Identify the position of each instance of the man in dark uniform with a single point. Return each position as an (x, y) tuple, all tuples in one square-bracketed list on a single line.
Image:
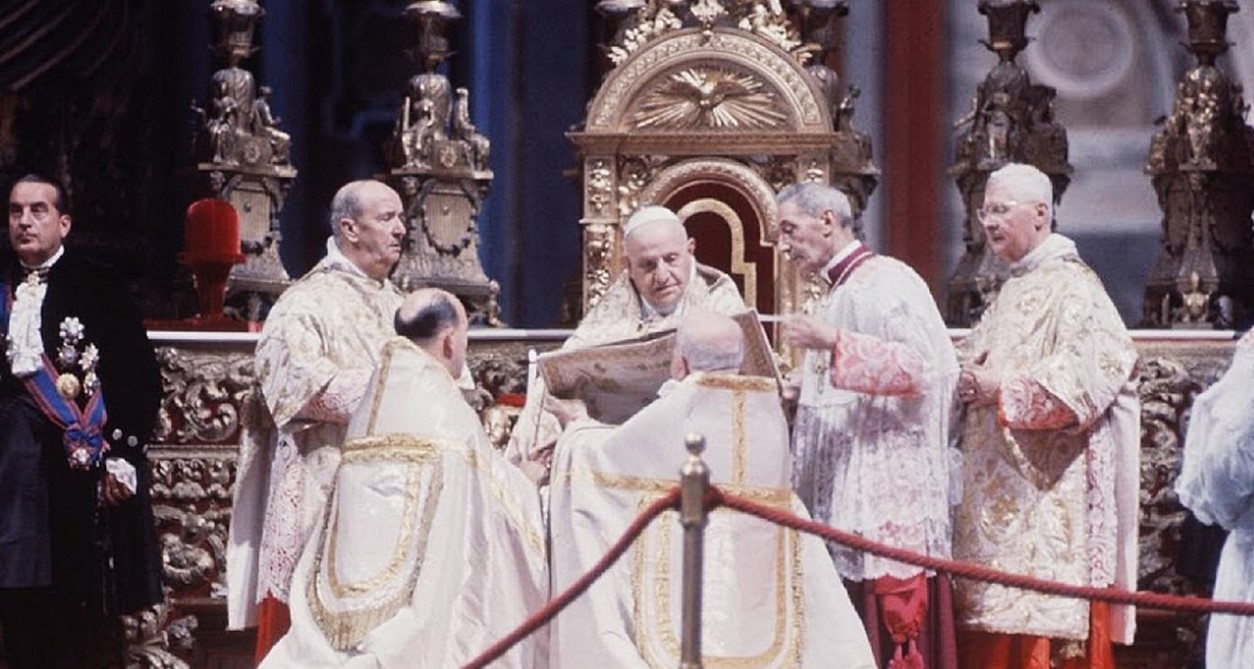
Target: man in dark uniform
[(79, 391)]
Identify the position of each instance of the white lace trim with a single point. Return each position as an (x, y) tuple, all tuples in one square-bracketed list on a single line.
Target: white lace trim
[(26, 347)]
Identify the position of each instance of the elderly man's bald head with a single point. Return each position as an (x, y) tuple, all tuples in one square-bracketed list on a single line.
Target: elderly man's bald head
[(368, 222), (707, 341), (436, 321)]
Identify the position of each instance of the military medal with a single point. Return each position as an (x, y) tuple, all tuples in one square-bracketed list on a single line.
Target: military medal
[(68, 386)]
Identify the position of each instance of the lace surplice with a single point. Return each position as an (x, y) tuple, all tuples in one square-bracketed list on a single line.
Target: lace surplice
[(870, 444)]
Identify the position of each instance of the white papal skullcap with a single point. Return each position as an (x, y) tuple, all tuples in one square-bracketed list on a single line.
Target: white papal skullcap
[(650, 214)]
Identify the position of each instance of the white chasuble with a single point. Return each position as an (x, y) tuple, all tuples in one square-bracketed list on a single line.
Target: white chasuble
[(1051, 471), (771, 596), (871, 450), (1217, 483), (621, 315), (431, 547), (332, 321)]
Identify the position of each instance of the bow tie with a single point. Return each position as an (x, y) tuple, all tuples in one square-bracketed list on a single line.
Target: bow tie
[(40, 273)]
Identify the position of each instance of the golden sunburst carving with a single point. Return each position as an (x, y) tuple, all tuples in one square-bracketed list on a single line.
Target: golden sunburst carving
[(709, 97)]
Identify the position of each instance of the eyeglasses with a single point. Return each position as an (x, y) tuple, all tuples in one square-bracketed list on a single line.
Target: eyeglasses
[(995, 209)]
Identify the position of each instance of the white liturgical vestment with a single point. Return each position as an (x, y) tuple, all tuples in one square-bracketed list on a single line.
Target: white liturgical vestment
[(772, 598), (331, 323), (1217, 483), (1051, 472), (622, 314), (871, 441), (431, 547)]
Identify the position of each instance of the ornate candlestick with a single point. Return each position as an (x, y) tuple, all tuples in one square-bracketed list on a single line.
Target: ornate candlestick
[(439, 165), (243, 156), (1011, 120), (1202, 162)]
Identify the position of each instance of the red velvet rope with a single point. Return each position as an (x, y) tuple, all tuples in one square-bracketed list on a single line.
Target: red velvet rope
[(716, 497), (541, 617), (1151, 600)]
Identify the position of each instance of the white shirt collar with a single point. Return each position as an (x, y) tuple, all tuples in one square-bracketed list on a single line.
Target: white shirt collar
[(337, 258), (50, 261)]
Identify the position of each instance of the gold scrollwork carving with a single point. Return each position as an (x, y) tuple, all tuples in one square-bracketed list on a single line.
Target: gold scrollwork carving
[(727, 171), (598, 261), (600, 184), (191, 496), (634, 174), (204, 394), (778, 171)]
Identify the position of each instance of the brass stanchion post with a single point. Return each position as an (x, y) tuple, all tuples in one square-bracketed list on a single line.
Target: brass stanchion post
[(692, 516)]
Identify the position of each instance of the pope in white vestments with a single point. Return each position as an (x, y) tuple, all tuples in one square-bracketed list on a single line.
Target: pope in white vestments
[(316, 352), (771, 595), (1217, 483), (431, 547), (661, 283)]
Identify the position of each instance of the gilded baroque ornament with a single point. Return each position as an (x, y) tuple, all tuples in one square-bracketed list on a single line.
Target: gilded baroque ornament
[(639, 22), (634, 174), (600, 185), (203, 393), (714, 169), (707, 12), (703, 97), (787, 79), (599, 246), (642, 21), (768, 20)]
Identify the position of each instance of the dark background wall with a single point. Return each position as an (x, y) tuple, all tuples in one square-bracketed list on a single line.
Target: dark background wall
[(98, 93)]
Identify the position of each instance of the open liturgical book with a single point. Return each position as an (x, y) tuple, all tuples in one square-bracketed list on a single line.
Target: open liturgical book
[(616, 380)]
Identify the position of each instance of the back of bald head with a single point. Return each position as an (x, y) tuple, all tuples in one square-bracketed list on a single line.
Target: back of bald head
[(426, 313), (710, 342)]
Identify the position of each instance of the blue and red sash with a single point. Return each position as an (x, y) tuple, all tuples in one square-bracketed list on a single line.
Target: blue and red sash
[(83, 428), (83, 438)]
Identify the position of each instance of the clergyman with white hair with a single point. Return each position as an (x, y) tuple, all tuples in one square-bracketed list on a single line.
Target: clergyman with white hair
[(662, 281), (1051, 441)]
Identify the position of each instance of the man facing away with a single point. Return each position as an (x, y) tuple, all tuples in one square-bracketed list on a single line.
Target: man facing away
[(771, 596), (431, 547), (317, 349), (1216, 483), (1050, 442), (871, 440), (79, 392), (662, 281)]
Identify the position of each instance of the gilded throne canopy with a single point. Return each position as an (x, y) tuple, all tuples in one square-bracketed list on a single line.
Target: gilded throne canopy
[(710, 110)]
